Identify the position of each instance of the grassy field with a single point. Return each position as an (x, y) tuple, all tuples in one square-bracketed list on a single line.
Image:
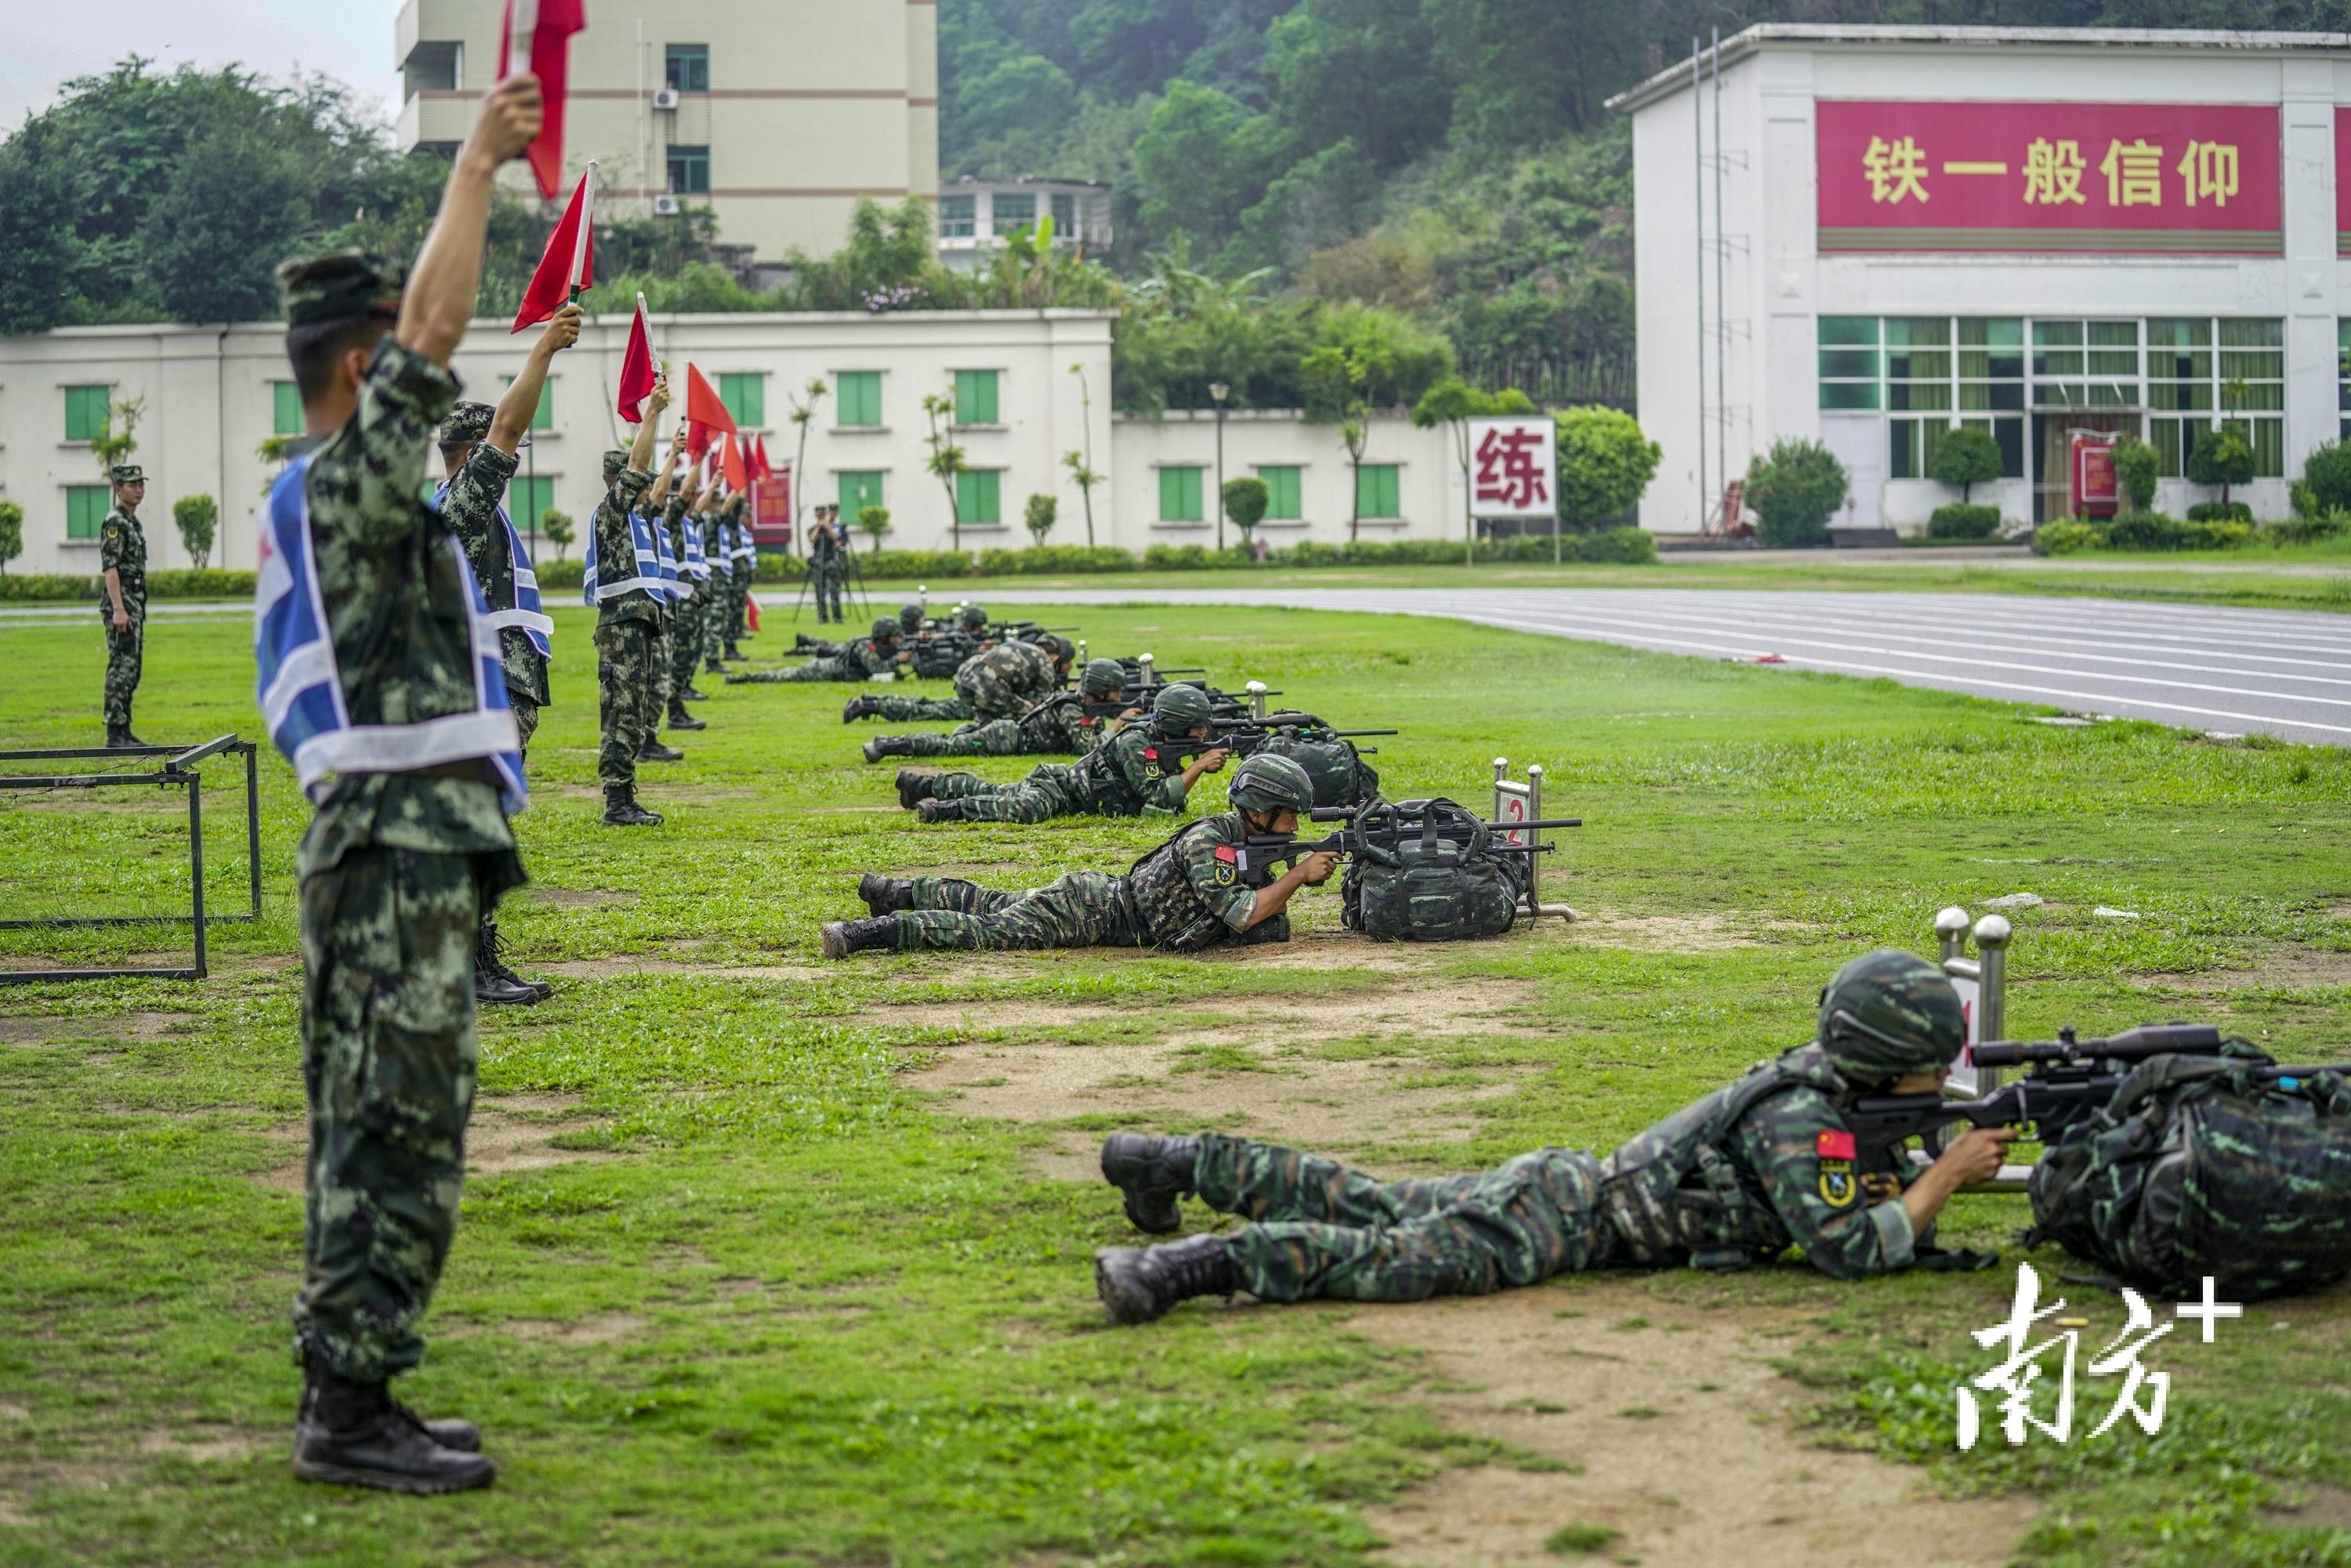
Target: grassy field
[(769, 1261)]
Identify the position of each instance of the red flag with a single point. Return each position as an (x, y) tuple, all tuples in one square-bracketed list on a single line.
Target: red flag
[(754, 458), (569, 265), (549, 24), (750, 611), (637, 369), (703, 403), (699, 439), (736, 466)]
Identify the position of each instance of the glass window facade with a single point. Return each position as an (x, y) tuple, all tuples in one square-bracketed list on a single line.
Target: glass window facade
[(689, 170), (2207, 372), (687, 67), (1014, 210), (957, 216)]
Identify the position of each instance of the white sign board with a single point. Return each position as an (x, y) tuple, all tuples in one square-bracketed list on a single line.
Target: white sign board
[(1510, 806), (1963, 1070), (1514, 467)]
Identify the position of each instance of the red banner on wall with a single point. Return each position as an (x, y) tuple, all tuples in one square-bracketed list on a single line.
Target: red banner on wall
[(2096, 493), (2089, 178)]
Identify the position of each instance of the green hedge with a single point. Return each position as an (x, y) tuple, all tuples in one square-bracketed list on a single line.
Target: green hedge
[(2154, 531), (1960, 521), (22, 588)]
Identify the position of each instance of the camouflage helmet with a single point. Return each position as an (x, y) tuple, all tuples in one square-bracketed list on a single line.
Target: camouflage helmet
[(1887, 1013), (972, 616), (1269, 783), (1103, 677), (1178, 711), (1060, 649), (910, 617), (885, 628)]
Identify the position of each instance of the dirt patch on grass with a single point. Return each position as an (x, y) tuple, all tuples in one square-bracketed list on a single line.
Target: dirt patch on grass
[(580, 897), (507, 1132), (637, 964), (1674, 932), (43, 1028), (604, 1328), (2278, 969), (1449, 1008), (2321, 1507), (216, 1445), (1676, 1436)]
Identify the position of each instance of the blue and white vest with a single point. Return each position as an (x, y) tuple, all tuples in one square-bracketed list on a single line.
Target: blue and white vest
[(526, 615), (744, 550), (594, 589), (666, 560), (695, 565), (300, 686)]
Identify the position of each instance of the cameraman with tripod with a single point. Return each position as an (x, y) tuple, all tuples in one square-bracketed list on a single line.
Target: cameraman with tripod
[(827, 562)]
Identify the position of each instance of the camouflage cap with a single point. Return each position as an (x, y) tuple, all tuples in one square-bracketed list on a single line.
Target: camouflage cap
[(614, 461), (127, 473), (1103, 677), (972, 616), (1267, 782), (910, 616), (1179, 710), (339, 286), (1060, 648), (467, 424), (885, 630), (1887, 1013)]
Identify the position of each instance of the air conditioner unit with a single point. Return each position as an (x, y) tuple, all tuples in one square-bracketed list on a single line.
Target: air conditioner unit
[(665, 97), (665, 207)]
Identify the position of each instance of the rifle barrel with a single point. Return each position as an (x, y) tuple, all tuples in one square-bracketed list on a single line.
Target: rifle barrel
[(2131, 1045)]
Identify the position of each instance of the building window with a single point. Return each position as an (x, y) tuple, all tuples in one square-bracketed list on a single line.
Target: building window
[(2204, 374), (957, 216), (86, 508), (285, 409), (1933, 373), (434, 66), (859, 395), (2085, 364), (527, 497), (856, 492), (1014, 210), (1179, 495), (979, 495), (543, 416), (687, 66), (975, 397), (689, 170), (1283, 502), (745, 397), (86, 411), (1377, 490), (1848, 363), (1065, 216)]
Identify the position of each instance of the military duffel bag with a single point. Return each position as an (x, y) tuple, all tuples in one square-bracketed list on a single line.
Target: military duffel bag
[(2206, 1166), (1409, 883), (1341, 776)]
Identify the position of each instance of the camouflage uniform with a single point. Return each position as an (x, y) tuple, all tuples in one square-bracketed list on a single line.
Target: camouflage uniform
[(1058, 726), (123, 547), (738, 598), (1001, 683), (626, 630), (857, 661), (690, 629), (1122, 778), (716, 614), (394, 873), (1189, 893), (826, 571), (1781, 1175), (471, 510)]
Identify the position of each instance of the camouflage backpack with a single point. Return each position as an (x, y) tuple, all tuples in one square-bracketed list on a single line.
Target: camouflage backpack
[(1341, 776), (1405, 882), (2201, 1166)]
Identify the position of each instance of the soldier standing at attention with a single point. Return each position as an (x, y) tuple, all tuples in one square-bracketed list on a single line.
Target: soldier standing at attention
[(746, 567), (826, 569), (684, 512), (373, 685), (122, 557), (628, 621), (477, 453)]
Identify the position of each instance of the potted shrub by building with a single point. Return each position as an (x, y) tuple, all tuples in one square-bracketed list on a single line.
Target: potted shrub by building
[(1795, 488), (1963, 459)]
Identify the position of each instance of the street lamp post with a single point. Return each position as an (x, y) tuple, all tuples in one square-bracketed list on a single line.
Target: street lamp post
[(1217, 392)]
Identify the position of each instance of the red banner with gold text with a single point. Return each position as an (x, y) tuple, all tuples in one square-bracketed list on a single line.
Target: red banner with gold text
[(2064, 178)]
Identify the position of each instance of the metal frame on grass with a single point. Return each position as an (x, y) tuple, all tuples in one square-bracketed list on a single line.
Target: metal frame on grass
[(178, 771)]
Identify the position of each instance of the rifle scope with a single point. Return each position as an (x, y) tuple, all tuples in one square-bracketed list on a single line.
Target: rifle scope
[(2131, 1045)]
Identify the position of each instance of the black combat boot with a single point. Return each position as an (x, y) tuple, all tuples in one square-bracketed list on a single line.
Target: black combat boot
[(843, 937), (885, 894), (882, 746), (448, 1430), (621, 811), (1153, 1174), (856, 708), (491, 987), (694, 697), (654, 751), (731, 652), (713, 667), (914, 787), (505, 971), (1139, 1284), (942, 812), (356, 1434), (681, 719)]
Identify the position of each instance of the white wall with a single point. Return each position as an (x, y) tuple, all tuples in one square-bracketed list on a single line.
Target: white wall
[(1428, 486)]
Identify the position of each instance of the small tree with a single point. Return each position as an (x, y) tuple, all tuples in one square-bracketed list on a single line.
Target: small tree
[(1796, 487), (947, 462), (1041, 513), (1606, 464), (1080, 463), (2223, 458), (802, 415), (2326, 478), (2135, 466), (1246, 500), (118, 438), (554, 526), (12, 534), (1965, 458), (1454, 402), (1334, 378), (873, 522), (198, 519)]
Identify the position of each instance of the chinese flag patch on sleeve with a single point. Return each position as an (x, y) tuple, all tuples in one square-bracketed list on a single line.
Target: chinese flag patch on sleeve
[(1225, 852), (1151, 754), (1834, 1145)]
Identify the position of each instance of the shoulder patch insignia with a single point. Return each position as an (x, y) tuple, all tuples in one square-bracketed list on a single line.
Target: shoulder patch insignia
[(1835, 1144), (1227, 853), (1151, 754)]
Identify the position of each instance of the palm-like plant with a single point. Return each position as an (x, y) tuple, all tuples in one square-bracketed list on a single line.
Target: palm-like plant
[(804, 415), (947, 462)]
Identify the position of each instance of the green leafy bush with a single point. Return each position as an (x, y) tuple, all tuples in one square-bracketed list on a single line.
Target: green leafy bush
[(2136, 470), (1963, 459), (1960, 521), (12, 533), (2065, 536), (198, 519), (45, 586), (2221, 457), (1042, 559), (1605, 464), (2221, 512), (2138, 530), (2307, 528), (2326, 480), (1796, 488), (1179, 557)]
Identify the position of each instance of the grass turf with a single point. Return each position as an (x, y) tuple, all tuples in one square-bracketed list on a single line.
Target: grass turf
[(790, 1307)]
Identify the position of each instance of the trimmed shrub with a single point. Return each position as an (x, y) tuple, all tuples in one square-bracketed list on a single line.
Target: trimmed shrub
[(1619, 547), (1040, 559), (2223, 458), (1960, 521), (1796, 488), (2327, 477), (21, 588), (12, 533), (1963, 459), (1179, 557), (558, 573), (2065, 537), (2138, 530), (198, 519), (2135, 466), (917, 563), (2221, 512)]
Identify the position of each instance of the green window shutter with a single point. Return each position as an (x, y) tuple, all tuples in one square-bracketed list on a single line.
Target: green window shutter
[(86, 508), (1377, 493), (285, 409), (745, 397), (979, 495), (858, 491), (528, 499), (975, 397), (1283, 502), (543, 416), (860, 397), (86, 411), (1179, 495)]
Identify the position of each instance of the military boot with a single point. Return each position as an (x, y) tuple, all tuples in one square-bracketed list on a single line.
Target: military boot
[(356, 1434), (654, 751), (681, 719), (856, 708), (491, 987), (731, 652), (843, 937), (713, 667), (885, 894), (505, 971), (1154, 1175), (694, 696), (621, 811), (914, 787), (882, 746), (942, 812), (448, 1430), (1139, 1284)]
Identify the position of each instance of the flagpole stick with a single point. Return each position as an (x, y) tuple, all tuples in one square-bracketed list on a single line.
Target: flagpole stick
[(580, 241)]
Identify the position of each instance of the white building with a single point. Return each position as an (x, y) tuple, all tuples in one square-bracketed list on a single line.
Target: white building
[(975, 214), (2034, 232), (1029, 386)]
